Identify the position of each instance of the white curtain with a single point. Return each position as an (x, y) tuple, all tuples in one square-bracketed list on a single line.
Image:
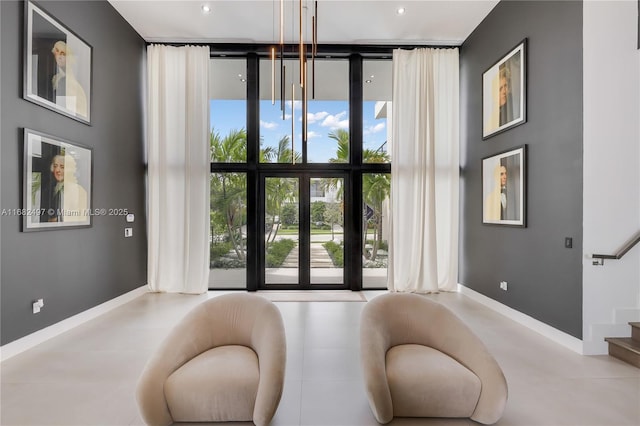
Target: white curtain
[(423, 249), (178, 171)]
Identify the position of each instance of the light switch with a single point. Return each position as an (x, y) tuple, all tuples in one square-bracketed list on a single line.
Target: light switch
[(128, 232)]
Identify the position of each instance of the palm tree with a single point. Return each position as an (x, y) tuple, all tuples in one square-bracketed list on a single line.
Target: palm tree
[(375, 187), (230, 149), (228, 190), (279, 191), (228, 194), (342, 137), (333, 215), (281, 154), (371, 156)]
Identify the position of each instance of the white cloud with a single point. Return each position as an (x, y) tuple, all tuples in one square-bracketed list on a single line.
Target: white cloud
[(268, 124), (311, 135), (287, 116), (374, 129), (313, 117), (336, 121), (297, 104)]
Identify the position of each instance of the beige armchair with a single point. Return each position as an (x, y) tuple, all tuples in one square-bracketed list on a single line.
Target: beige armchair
[(225, 361), (420, 360)]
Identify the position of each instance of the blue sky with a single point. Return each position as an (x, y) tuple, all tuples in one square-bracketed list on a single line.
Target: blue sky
[(323, 118)]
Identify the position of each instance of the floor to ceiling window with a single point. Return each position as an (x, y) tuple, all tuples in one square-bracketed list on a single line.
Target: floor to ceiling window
[(293, 213), (228, 192), (376, 187)]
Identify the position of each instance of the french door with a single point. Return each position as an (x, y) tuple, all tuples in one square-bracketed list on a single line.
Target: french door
[(303, 232)]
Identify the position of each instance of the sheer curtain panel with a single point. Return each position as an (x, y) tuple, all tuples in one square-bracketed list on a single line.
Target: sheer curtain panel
[(178, 168), (423, 247)]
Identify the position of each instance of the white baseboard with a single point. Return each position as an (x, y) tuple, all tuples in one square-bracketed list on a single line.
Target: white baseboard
[(17, 346), (14, 348), (547, 331)]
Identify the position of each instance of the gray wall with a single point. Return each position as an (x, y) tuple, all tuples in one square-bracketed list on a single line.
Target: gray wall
[(544, 278), (75, 269)]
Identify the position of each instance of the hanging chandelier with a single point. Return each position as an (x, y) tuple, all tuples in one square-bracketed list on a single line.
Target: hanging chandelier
[(302, 58)]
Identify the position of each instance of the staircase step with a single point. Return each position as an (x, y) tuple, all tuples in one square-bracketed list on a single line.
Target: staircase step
[(625, 348), (635, 331)]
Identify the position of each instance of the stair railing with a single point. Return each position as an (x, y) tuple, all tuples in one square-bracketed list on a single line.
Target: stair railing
[(599, 258)]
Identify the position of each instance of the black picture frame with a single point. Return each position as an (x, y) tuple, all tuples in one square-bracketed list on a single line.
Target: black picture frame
[(504, 188), (504, 92), (57, 183), (57, 71)]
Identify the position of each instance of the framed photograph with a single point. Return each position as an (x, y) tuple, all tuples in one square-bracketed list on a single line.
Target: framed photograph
[(57, 183), (504, 92), (504, 188), (57, 66)]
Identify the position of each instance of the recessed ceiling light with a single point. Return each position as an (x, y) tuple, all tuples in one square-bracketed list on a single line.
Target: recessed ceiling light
[(206, 8), (242, 80), (367, 81), (371, 76), (401, 10)]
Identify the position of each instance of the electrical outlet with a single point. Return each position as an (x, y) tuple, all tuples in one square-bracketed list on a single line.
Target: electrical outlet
[(568, 242), (128, 232), (503, 285), (37, 305)]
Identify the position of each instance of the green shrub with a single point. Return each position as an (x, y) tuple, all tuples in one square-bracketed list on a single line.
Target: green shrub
[(335, 253), (220, 249), (289, 214), (278, 252), (384, 245), (317, 211)]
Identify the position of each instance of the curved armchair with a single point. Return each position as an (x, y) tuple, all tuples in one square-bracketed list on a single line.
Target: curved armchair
[(420, 360), (224, 361)]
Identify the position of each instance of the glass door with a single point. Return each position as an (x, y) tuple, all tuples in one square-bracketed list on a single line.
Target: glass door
[(326, 230), (303, 222), (281, 250)]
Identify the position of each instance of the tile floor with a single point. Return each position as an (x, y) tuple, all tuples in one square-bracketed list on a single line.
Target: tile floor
[(87, 376)]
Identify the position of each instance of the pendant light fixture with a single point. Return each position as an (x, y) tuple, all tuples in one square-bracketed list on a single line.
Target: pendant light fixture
[(302, 58)]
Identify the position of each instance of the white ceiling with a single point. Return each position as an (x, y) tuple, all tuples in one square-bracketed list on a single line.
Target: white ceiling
[(340, 22)]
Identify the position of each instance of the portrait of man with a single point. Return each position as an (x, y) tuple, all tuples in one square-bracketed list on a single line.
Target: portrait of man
[(68, 92), (505, 104), (503, 188), (57, 182), (43, 63), (503, 93), (65, 200), (58, 66)]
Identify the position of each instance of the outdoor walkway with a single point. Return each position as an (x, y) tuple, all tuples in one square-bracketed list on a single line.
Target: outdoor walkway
[(319, 257)]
